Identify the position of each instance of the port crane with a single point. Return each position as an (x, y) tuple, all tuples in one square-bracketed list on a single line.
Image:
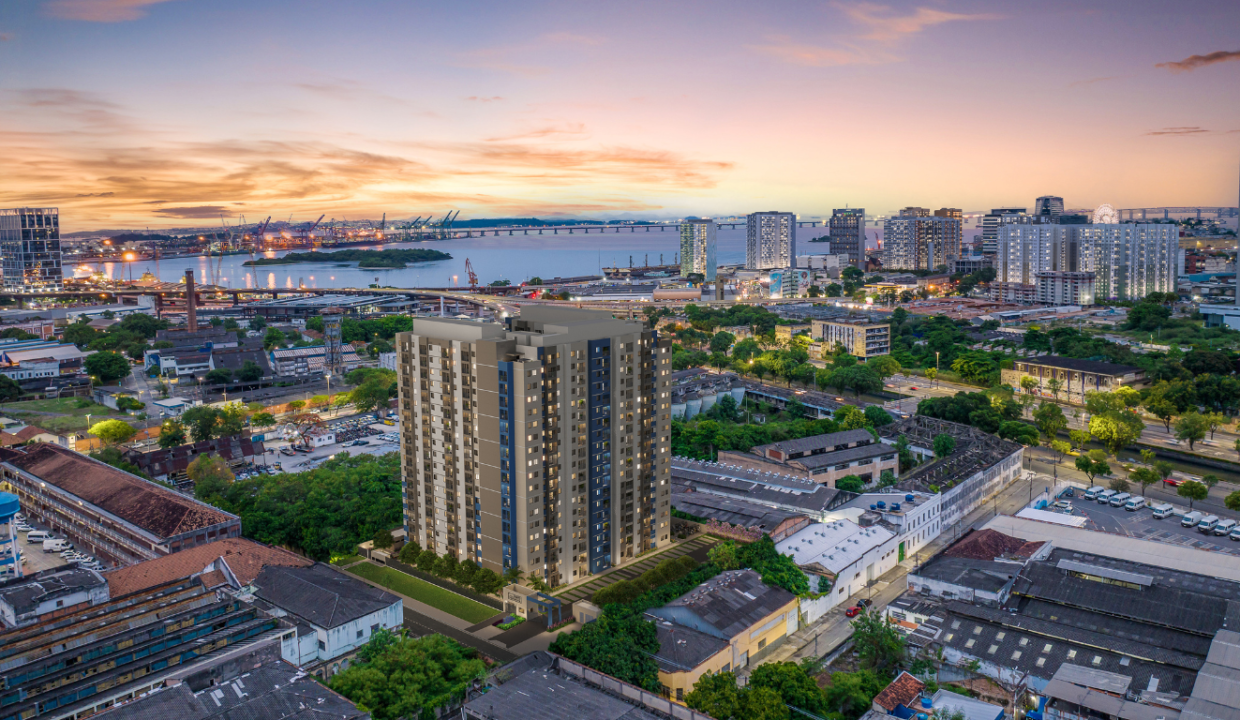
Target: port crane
[(473, 276)]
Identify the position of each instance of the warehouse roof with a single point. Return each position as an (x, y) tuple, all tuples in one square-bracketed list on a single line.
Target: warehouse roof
[(245, 558), (153, 508), (991, 544), (541, 693), (817, 443), (320, 595), (731, 602), (833, 546), (683, 648), (1090, 366)]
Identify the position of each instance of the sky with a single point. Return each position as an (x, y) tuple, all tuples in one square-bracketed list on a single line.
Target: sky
[(163, 113)]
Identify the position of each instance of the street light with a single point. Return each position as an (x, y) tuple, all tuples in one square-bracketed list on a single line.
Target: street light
[(936, 368), (328, 375)]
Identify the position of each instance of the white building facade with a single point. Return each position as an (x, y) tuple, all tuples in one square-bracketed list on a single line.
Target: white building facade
[(770, 240), (697, 248)]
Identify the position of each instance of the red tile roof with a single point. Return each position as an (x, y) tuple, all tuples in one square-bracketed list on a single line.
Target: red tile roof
[(152, 507), (902, 691), (245, 558), (990, 544)]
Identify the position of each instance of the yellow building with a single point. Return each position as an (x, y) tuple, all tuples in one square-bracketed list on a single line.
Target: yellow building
[(785, 332), (861, 337), (720, 626)]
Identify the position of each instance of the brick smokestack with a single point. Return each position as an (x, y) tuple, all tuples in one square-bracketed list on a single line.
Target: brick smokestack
[(191, 301)]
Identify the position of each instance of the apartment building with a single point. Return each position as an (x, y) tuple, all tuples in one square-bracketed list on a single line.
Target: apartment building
[(770, 240), (30, 250), (918, 241), (697, 248), (1128, 260), (540, 444), (1065, 288), (995, 219), (848, 234), (861, 337)]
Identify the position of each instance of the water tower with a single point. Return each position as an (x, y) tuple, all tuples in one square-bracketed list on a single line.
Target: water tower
[(10, 548), (333, 345)]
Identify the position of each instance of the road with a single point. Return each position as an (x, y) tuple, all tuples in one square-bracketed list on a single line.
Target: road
[(1222, 446)]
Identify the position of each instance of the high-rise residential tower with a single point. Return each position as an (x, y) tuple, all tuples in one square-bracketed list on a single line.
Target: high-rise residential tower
[(539, 444), (697, 248), (848, 234), (916, 241), (770, 240), (1129, 261), (993, 220), (1048, 206), (30, 249)]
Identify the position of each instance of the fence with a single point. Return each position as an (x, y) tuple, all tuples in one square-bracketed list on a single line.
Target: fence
[(447, 585), (632, 693)]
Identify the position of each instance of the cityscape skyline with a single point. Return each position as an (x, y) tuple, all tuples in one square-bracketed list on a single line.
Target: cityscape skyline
[(127, 114)]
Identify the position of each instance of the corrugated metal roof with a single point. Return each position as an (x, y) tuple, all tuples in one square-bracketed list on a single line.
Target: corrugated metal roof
[(1091, 678), (1218, 684), (1198, 709), (1106, 572), (1225, 649)]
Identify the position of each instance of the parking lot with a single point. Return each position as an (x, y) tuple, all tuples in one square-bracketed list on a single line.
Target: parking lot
[(34, 559), (379, 439), (1141, 524)]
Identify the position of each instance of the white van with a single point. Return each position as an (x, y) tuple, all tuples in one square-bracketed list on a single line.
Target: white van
[(55, 545), (1105, 496), (1207, 523), (1191, 519), (1119, 499), (37, 536), (1224, 527), (1163, 510), (1092, 493), (1235, 534), (1134, 504)]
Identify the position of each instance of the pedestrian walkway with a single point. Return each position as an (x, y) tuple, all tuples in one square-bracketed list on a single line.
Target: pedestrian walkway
[(584, 590)]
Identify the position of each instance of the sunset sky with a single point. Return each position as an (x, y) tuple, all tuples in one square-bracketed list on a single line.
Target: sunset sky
[(134, 113)]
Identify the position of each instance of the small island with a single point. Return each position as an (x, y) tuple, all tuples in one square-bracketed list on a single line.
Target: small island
[(365, 259)]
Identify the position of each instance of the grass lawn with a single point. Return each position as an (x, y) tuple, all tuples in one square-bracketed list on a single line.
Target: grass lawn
[(69, 417), (347, 560), (422, 591)]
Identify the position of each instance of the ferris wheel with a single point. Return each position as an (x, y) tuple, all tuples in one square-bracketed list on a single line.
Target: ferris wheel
[(1104, 214)]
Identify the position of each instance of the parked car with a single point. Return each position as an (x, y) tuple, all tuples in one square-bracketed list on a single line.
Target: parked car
[(852, 612)]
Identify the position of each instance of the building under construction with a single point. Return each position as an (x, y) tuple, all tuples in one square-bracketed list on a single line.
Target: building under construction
[(980, 465)]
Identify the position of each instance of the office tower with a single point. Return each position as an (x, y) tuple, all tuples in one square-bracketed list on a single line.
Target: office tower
[(770, 240), (30, 249), (919, 242), (697, 248), (953, 213), (538, 444), (992, 221), (1048, 206), (848, 234), (1131, 260), (915, 212)]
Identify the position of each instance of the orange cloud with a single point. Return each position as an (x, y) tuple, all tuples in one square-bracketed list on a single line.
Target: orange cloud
[(200, 212), (106, 11), (1189, 64)]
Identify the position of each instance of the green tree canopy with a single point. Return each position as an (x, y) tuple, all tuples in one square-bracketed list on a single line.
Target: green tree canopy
[(1192, 491), (107, 366), (171, 434), (409, 677), (113, 432), (1192, 427)]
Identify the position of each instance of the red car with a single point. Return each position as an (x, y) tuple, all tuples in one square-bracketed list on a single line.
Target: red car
[(913, 387), (852, 612)]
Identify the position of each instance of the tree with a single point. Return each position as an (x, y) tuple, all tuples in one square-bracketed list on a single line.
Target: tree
[(879, 646), (1192, 427), (1116, 429), (850, 483), (113, 432), (1050, 420), (1162, 469), (1079, 439), (211, 476), (877, 416), (792, 685), (409, 678), (886, 478), (1192, 491), (219, 376), (944, 445), (716, 695), (263, 419), (1161, 408), (107, 366), (383, 539), (1210, 480), (1119, 485), (885, 365), (273, 338), (850, 695), (851, 417), (426, 560), (622, 646), (1055, 385), (371, 395), (931, 374), (1092, 468), (171, 434), (833, 290), (1216, 420), (250, 371), (202, 421), (1061, 448), (1145, 477), (722, 342), (724, 556), (1232, 501)]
